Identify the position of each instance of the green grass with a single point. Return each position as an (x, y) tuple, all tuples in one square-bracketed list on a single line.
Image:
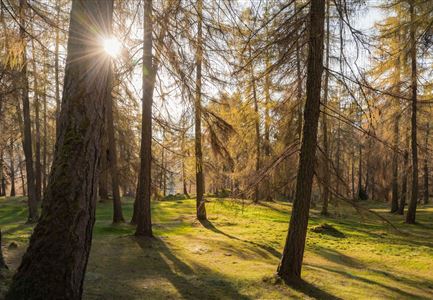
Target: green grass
[(235, 254)]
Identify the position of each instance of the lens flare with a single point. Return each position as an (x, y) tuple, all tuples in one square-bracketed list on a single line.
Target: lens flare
[(112, 46)]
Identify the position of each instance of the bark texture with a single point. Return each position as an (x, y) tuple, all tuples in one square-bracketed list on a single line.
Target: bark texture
[(291, 261), (55, 262), (411, 212), (142, 211), (200, 202)]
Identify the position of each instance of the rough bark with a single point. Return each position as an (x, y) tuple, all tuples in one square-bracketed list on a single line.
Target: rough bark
[(112, 158), (12, 169), (200, 202), (291, 261), (27, 134), (411, 212), (2, 260), (142, 210), (55, 262), (326, 173)]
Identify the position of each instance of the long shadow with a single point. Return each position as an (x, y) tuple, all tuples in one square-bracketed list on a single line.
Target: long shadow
[(369, 281), (196, 282), (311, 290), (338, 257), (208, 225), (267, 205)]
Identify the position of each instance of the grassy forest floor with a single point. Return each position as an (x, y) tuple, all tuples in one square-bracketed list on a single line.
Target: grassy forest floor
[(235, 254)]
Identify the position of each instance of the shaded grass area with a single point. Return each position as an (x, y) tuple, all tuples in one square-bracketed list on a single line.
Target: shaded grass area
[(235, 253)]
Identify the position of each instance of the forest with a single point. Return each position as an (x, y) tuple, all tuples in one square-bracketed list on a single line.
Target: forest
[(216, 149)]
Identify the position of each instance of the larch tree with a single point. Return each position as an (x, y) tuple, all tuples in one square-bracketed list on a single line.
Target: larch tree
[(291, 262), (142, 212), (54, 264)]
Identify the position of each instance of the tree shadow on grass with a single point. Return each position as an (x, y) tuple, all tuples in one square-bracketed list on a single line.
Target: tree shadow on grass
[(393, 289), (208, 225), (192, 281), (310, 290)]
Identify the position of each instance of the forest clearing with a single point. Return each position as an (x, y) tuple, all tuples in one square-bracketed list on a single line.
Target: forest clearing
[(216, 149), (233, 255)]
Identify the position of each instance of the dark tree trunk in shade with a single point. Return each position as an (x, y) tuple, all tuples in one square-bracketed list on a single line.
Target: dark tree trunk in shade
[(27, 133), (411, 212), (326, 173), (200, 201), (12, 170), (37, 133), (56, 259), (394, 200), (2, 174), (142, 211), (112, 158), (291, 261), (405, 174)]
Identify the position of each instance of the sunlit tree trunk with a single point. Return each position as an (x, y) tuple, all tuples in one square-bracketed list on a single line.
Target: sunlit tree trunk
[(291, 261), (410, 217), (142, 210), (55, 262), (200, 201)]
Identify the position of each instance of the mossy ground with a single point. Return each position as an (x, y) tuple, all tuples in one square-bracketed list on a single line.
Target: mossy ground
[(235, 254)]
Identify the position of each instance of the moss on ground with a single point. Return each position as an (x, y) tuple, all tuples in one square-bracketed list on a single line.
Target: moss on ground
[(235, 254)]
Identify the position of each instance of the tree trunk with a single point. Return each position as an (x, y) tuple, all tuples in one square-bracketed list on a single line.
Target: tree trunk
[(410, 217), (2, 175), (394, 201), (405, 173), (44, 142), (256, 126), (291, 261), (426, 183), (326, 173), (12, 170), (55, 262), (142, 210), (103, 169), (56, 67), (37, 134), (112, 159), (200, 202), (27, 136)]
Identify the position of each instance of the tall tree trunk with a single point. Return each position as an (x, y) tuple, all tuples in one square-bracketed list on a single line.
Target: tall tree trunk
[(56, 259), (56, 67), (291, 261), (299, 78), (267, 139), (142, 210), (360, 188), (326, 173), (45, 118), (112, 159), (256, 126), (27, 136), (2, 175), (405, 174), (410, 217), (37, 134), (12, 169), (426, 182), (394, 201), (200, 202)]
